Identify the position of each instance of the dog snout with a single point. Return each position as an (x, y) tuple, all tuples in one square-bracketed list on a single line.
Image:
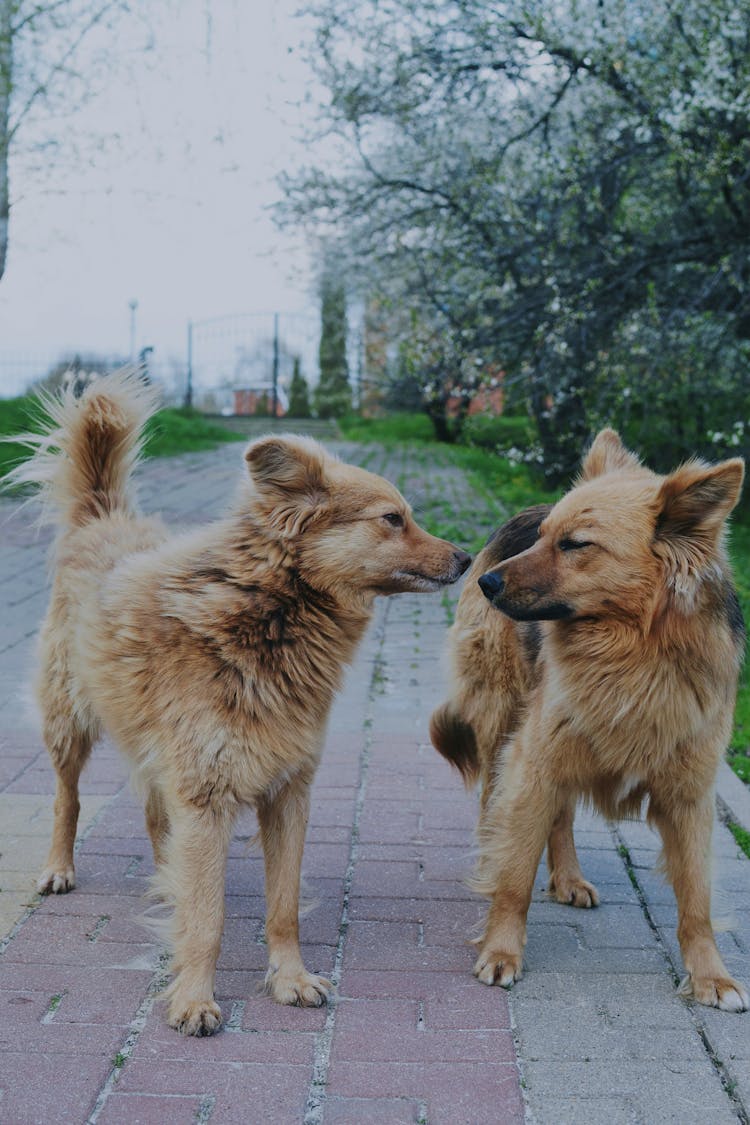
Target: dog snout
[(462, 561), (491, 584)]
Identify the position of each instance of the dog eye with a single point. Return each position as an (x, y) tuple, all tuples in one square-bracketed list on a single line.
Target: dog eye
[(573, 544), (394, 519)]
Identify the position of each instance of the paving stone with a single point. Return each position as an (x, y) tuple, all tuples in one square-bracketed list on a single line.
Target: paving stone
[(39, 1089), (463, 1091), (544, 1028), (150, 1109), (372, 1111), (684, 1092), (276, 1092)]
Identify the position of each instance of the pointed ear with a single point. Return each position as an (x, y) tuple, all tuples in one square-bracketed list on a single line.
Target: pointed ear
[(606, 454), (694, 501), (286, 465)]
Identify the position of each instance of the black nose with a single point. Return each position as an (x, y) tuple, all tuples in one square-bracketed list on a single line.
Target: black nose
[(463, 561), (491, 584)]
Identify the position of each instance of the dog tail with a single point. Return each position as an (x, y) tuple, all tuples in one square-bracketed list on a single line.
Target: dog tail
[(83, 457), (454, 738)]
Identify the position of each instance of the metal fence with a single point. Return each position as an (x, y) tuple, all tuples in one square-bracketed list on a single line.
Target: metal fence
[(21, 371), (244, 351), (251, 352)]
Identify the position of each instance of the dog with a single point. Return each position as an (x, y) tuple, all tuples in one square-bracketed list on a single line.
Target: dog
[(211, 658), (610, 674)]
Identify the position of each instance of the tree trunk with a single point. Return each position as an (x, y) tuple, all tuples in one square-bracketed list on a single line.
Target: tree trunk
[(6, 60), (437, 413), (561, 424)]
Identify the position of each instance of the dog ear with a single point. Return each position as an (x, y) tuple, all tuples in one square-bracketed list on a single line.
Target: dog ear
[(286, 465), (606, 454), (694, 501), (288, 473)]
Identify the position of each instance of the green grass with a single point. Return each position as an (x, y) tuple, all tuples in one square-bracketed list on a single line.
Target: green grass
[(17, 416), (171, 431), (494, 476), (388, 430), (178, 430), (487, 431), (741, 835), (739, 747)]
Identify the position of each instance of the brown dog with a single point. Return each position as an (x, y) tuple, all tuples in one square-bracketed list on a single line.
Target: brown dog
[(611, 673), (211, 658)]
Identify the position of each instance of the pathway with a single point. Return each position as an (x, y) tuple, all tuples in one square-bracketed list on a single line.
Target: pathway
[(594, 1033)]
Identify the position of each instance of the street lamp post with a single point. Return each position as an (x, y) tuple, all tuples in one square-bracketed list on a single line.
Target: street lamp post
[(133, 306)]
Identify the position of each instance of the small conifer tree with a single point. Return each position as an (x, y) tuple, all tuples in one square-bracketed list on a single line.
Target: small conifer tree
[(333, 395), (299, 395)]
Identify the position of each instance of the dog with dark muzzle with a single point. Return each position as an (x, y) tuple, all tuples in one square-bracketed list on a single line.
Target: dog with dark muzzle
[(596, 652)]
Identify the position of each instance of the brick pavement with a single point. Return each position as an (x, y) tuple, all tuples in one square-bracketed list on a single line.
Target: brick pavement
[(594, 1032)]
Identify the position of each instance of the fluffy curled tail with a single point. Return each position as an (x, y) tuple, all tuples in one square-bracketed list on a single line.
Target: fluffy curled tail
[(454, 738), (83, 457)]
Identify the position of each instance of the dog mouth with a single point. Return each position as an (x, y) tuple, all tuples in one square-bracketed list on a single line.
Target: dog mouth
[(424, 582), (552, 611), (556, 611), (526, 606)]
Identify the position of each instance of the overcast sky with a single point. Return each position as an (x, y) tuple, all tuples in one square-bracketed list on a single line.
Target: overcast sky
[(175, 214)]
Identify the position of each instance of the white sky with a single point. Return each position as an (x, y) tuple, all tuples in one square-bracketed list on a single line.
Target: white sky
[(175, 212)]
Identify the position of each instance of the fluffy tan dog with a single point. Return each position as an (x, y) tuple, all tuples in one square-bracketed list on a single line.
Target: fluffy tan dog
[(211, 658), (610, 674)]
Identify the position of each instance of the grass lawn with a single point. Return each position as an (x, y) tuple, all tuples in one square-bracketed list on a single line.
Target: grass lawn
[(177, 430), (170, 431)]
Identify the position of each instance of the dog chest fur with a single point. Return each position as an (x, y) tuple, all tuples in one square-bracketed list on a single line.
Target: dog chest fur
[(254, 646)]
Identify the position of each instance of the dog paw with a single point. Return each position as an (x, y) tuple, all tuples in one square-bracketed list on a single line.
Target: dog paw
[(54, 882), (493, 967), (717, 992), (303, 989), (573, 891), (199, 1017)]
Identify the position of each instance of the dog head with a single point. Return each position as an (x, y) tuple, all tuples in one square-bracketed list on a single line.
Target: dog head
[(621, 540), (347, 529)]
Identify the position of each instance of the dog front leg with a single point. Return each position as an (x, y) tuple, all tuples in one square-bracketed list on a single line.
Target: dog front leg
[(685, 830), (193, 875), (283, 823), (566, 879), (514, 832)]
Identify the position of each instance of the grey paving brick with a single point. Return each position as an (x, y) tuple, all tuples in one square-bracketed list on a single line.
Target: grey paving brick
[(684, 1092)]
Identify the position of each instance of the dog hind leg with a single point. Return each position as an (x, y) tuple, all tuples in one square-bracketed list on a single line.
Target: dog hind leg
[(157, 823), (69, 748), (283, 823)]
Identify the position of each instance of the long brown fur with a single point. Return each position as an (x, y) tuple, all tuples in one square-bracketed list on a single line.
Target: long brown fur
[(211, 658), (495, 664), (630, 698)]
